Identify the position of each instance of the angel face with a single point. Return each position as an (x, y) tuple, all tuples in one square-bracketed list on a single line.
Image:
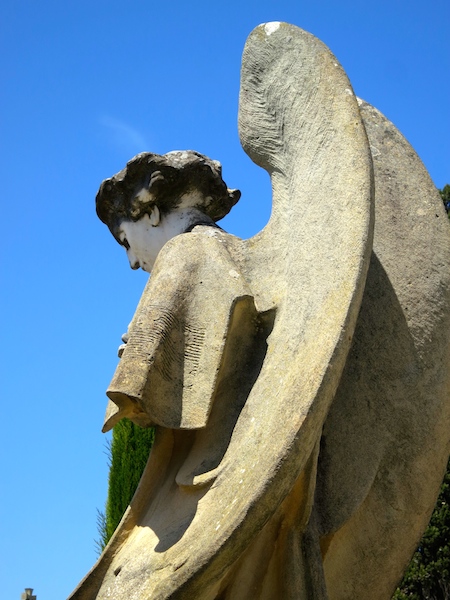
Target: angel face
[(142, 241)]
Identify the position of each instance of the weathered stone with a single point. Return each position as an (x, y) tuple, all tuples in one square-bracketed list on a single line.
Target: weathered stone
[(255, 487), (387, 438)]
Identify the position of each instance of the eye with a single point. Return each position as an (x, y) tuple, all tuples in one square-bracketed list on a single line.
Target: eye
[(125, 243)]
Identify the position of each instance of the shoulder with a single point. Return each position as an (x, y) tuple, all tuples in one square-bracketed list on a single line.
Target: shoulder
[(203, 243)]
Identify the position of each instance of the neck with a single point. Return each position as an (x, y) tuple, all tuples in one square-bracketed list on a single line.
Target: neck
[(181, 220), (174, 223)]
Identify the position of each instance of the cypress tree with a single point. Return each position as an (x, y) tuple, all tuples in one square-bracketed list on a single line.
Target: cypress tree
[(128, 453)]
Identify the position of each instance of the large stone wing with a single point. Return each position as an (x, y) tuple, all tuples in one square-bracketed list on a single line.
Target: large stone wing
[(386, 440)]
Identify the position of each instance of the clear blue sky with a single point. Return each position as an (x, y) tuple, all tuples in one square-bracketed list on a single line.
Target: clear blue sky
[(85, 86)]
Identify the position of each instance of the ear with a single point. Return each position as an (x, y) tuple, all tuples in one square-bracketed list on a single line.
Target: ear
[(155, 217)]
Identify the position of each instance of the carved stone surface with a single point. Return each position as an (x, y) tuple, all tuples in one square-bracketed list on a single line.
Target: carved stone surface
[(385, 444), (298, 380)]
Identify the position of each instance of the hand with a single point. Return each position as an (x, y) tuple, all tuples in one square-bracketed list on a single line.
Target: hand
[(122, 346)]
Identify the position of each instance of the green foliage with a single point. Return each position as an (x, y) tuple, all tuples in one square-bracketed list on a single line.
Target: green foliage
[(445, 195), (428, 575), (128, 454), (102, 532)]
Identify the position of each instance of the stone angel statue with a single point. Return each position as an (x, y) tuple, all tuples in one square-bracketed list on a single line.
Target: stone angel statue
[(298, 381)]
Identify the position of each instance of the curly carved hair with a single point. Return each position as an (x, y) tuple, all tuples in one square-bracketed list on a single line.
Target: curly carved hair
[(164, 180)]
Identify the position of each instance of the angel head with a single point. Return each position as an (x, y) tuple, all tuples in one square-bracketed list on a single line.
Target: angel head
[(159, 196)]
